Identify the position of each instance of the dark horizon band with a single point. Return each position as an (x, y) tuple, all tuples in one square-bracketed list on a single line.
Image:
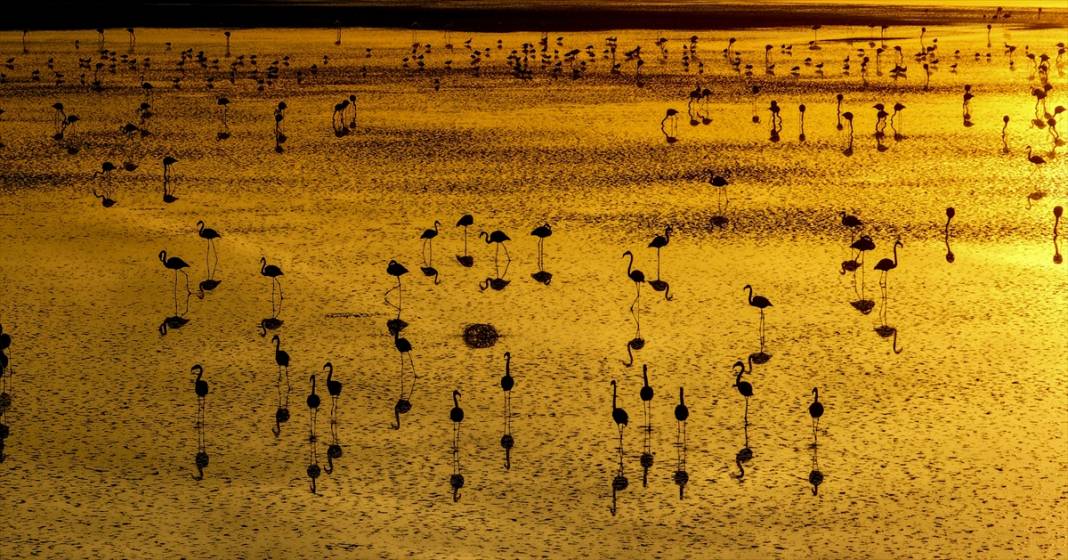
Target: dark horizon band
[(485, 18)]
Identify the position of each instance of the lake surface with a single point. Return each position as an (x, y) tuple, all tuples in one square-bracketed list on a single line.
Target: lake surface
[(946, 408)]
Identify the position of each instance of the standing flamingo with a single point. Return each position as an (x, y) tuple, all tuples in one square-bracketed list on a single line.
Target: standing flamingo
[(541, 232), (428, 236), (659, 242), (619, 416), (815, 410), (498, 237), (465, 260), (636, 276), (761, 303), (886, 265), (396, 270)]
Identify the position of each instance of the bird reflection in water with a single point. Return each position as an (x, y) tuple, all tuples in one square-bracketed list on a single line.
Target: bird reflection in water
[(269, 324), (404, 403), (636, 276), (507, 384), (744, 455), (428, 252), (682, 412), (456, 415), (499, 282), (333, 386), (1057, 212), (281, 414), (465, 260), (542, 232), (212, 266), (950, 212), (7, 371), (815, 476), (178, 320), (658, 243), (619, 482), (815, 411), (201, 389), (646, 394), (313, 470)]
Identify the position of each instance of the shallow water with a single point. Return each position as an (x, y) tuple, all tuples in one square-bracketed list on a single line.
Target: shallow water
[(949, 448)]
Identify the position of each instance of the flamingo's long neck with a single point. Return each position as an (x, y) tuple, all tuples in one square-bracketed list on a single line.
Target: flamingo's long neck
[(455, 401), (630, 263), (738, 378), (816, 394), (277, 345), (508, 365), (200, 373), (750, 289), (895, 251), (645, 376), (313, 384), (613, 397), (682, 399)]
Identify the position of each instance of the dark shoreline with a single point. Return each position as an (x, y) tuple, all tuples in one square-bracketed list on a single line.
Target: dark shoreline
[(483, 18)]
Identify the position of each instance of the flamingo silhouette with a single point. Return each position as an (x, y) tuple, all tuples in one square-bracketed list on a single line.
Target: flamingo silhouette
[(658, 243), (105, 201), (950, 213), (313, 402), (273, 272), (542, 232), (886, 265), (177, 265), (636, 276), (210, 235), (498, 237), (465, 260), (428, 236), (619, 416), (761, 303), (815, 410)]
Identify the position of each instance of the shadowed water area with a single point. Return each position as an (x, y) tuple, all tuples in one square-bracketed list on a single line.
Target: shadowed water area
[(946, 412)]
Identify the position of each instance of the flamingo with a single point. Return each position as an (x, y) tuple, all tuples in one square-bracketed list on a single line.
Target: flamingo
[(541, 232), (682, 412), (862, 245), (273, 272), (507, 382), (428, 236), (761, 303), (457, 413), (619, 416), (200, 386), (396, 270), (646, 392), (177, 265), (498, 237), (313, 405), (744, 387), (850, 221), (210, 235), (281, 357), (636, 276), (886, 265), (333, 387), (815, 410), (659, 242), (466, 220), (1035, 159)]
